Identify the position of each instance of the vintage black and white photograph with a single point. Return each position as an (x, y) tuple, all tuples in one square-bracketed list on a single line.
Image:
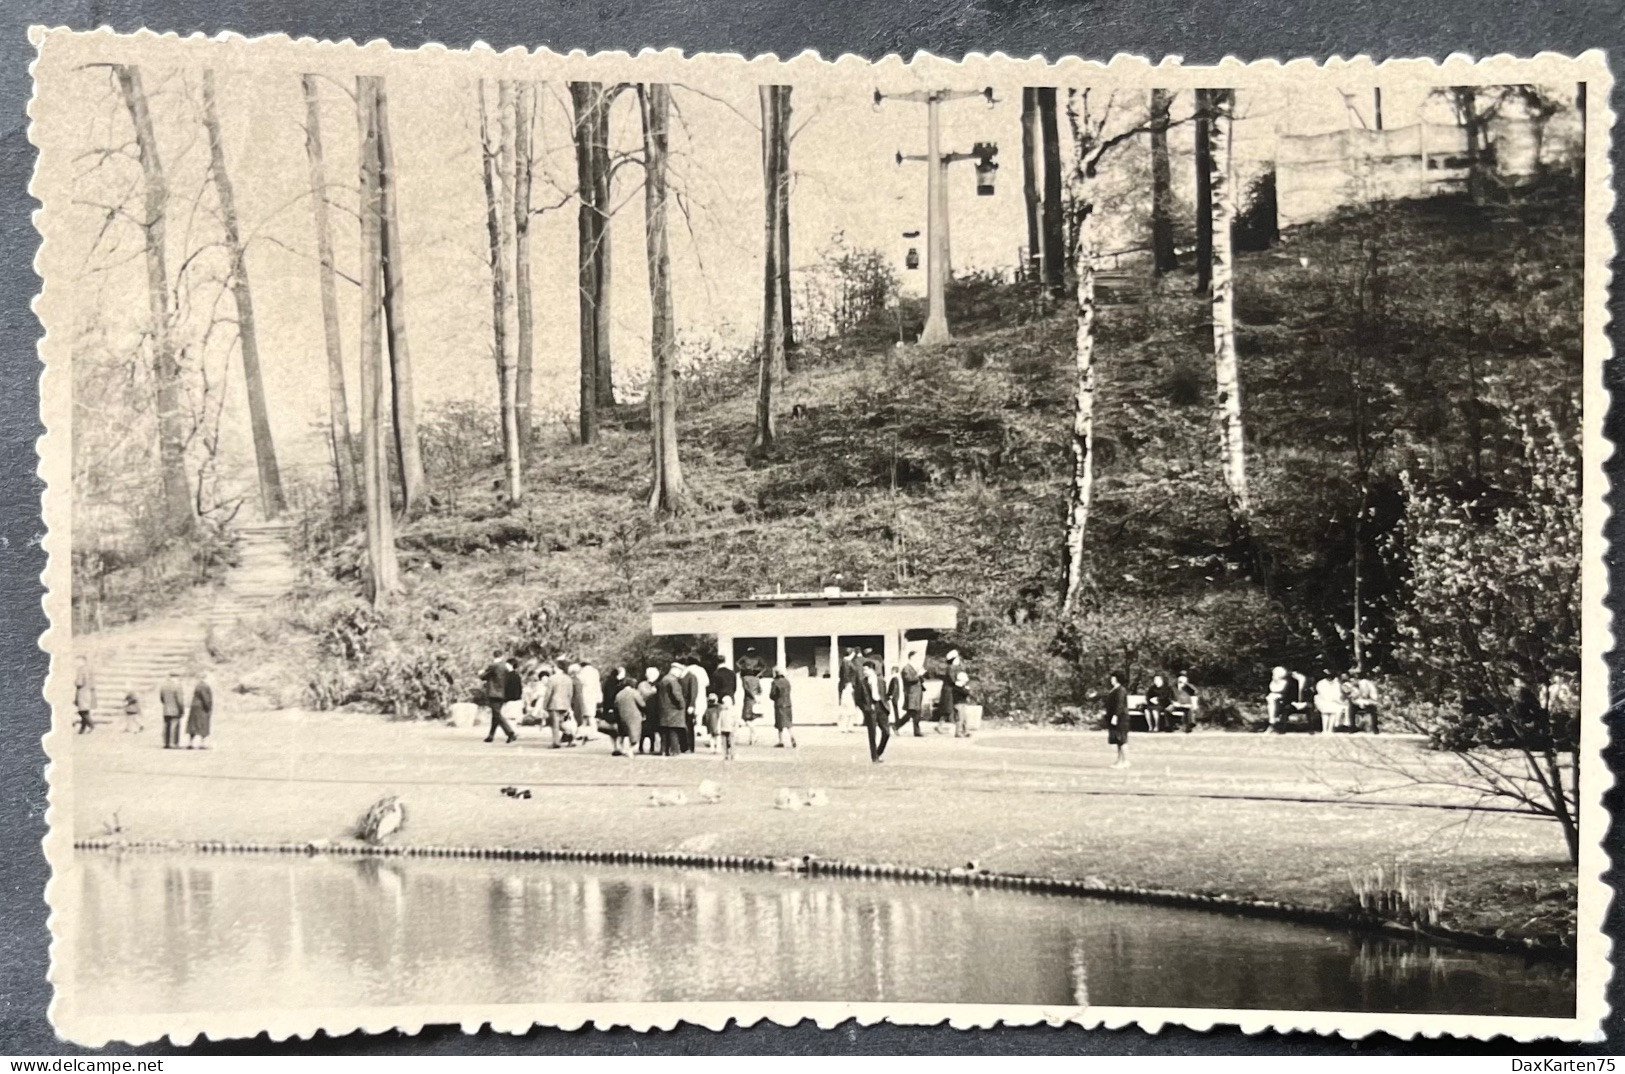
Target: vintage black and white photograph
[(545, 539)]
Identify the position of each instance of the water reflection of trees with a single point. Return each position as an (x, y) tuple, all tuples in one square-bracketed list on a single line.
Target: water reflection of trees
[(167, 933)]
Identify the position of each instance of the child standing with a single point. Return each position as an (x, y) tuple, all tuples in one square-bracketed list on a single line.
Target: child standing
[(132, 713), (727, 724)]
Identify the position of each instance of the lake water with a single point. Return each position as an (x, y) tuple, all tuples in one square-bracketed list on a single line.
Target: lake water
[(182, 933)]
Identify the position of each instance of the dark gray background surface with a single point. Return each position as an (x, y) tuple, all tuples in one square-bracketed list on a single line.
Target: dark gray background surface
[(1200, 32)]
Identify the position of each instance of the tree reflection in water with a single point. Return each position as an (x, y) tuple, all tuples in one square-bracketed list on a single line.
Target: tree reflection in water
[(174, 933)]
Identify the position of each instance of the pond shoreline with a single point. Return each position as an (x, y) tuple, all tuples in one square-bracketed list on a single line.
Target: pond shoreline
[(1533, 948)]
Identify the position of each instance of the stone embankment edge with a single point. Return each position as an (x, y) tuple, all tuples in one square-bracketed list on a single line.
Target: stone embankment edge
[(810, 865)]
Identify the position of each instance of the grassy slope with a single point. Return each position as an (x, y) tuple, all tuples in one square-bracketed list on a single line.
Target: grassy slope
[(945, 471)]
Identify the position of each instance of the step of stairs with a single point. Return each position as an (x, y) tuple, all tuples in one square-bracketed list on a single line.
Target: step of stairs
[(141, 657)]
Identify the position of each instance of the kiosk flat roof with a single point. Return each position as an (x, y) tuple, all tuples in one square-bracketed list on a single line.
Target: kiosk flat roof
[(791, 614)]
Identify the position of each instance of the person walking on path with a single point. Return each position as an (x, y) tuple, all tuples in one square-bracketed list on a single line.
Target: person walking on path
[(173, 705), (560, 698), (648, 690), (894, 697), (495, 680), (84, 695), (132, 713), (953, 667), (673, 708), (1117, 719), (872, 703), (587, 698), (783, 713), (200, 720), (913, 695), (629, 717), (961, 692)]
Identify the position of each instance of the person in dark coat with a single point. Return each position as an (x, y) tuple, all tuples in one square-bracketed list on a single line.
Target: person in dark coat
[(1117, 719), (913, 695), (952, 667), (672, 704), (628, 715), (200, 718), (783, 715), (870, 696), (750, 692), (1158, 697), (495, 678), (173, 704)]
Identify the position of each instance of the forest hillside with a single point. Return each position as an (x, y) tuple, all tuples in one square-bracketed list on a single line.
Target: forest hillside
[(1417, 339)]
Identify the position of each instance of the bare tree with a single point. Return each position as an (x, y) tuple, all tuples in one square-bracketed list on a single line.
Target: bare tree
[(383, 576), (1053, 232), (524, 97), (1204, 191), (178, 511), (272, 501), (408, 449), (1163, 255), (343, 443), (669, 493), (1095, 137), (1227, 401), (786, 315), (586, 100), (497, 221), (770, 358), (1029, 176)]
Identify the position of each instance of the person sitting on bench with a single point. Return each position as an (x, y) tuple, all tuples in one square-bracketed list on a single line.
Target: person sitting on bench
[(1183, 707), (1157, 699), (1363, 705)]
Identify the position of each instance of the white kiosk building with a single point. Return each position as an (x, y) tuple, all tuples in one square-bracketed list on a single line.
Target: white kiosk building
[(804, 633)]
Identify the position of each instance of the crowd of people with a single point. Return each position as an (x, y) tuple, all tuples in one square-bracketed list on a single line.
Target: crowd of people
[(1337, 702), (697, 703)]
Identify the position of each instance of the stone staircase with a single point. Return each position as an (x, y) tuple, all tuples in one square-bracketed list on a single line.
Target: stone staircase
[(139, 656)]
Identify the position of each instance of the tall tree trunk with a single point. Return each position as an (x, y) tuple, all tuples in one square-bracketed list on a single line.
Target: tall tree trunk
[(272, 501), (523, 98), (604, 374), (1029, 181), (383, 574), (1054, 230), (344, 446), (669, 494), (1163, 255), (1083, 417), (408, 449), (787, 324), (1226, 374), (1204, 190), (585, 100), (770, 352), (497, 223), (166, 369)]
